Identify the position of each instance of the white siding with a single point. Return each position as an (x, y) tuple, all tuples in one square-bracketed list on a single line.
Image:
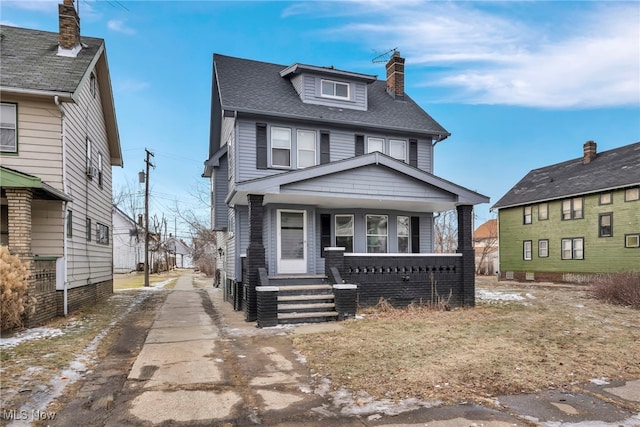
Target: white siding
[(47, 228)]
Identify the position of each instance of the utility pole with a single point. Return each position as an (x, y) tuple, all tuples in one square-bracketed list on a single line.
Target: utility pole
[(146, 219)]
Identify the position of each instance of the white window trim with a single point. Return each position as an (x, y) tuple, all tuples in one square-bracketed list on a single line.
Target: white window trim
[(374, 138), (14, 128), (627, 240), (546, 248), (271, 147), (527, 250), (352, 235), (315, 144), (404, 149), (407, 236), (335, 83), (366, 222), (572, 241)]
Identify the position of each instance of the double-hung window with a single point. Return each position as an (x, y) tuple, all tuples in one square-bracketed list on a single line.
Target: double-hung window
[(344, 232), (102, 234), (334, 89), (631, 194), (573, 248), (526, 250), (605, 198), (543, 248), (375, 144), (605, 224), (377, 233), (404, 228), (543, 211), (572, 209), (306, 148), (280, 147), (398, 149), (100, 176), (8, 128), (526, 215)]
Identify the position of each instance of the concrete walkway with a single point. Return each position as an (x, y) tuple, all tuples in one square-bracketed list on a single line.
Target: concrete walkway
[(202, 364)]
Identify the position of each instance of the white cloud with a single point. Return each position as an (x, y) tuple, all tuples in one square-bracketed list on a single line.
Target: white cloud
[(46, 6), (574, 54), (131, 85), (119, 26)]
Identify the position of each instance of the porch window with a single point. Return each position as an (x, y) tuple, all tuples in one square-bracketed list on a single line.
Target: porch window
[(8, 128), (344, 232), (377, 233), (398, 149), (605, 225), (333, 89), (280, 147), (403, 234), (573, 248), (306, 148), (375, 144)]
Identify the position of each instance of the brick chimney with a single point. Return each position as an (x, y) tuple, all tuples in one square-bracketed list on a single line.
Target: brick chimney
[(395, 76), (69, 37), (589, 152)]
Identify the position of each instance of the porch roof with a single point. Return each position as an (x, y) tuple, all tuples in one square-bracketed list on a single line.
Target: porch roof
[(373, 181), (10, 178)]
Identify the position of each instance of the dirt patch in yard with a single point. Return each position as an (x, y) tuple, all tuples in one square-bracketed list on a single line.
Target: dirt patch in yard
[(520, 338)]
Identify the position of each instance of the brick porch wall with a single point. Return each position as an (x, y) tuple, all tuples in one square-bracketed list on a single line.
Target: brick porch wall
[(84, 296)]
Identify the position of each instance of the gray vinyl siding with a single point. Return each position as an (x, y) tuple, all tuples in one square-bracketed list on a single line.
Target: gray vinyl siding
[(341, 142), (368, 181), (232, 254), (426, 233), (220, 184), (297, 83)]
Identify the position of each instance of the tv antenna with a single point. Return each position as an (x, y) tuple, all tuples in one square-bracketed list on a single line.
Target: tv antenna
[(384, 57)]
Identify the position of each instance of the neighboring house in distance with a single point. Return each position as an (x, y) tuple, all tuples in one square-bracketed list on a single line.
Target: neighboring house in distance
[(128, 243), (179, 252), (59, 140), (485, 243), (304, 160), (573, 219)]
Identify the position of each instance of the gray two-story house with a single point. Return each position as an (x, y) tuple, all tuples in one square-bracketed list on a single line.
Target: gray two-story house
[(305, 160)]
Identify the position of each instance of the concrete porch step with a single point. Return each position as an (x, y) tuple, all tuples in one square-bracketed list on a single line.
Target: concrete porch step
[(312, 306), (297, 288), (313, 317), (286, 298)]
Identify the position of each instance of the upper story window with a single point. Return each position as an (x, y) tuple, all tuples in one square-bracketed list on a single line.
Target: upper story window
[(631, 194), (306, 148), (8, 128), (605, 225), (100, 170), (398, 149), (334, 89), (280, 147), (92, 85), (526, 215), (605, 198), (375, 144), (572, 209), (543, 211)]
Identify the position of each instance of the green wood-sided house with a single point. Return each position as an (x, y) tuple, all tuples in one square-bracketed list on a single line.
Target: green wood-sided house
[(324, 177), (570, 220)]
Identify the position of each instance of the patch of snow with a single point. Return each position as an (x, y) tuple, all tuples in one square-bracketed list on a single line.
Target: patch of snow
[(530, 296), (486, 295), (599, 381), (30, 334)]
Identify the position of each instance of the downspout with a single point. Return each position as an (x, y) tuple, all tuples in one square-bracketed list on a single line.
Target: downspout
[(63, 138)]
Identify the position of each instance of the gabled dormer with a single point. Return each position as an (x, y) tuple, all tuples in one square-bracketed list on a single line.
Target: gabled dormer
[(328, 86)]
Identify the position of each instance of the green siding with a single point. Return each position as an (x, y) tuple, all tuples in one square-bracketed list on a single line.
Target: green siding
[(601, 254)]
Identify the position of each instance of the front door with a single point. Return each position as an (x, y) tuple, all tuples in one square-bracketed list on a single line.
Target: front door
[(292, 241)]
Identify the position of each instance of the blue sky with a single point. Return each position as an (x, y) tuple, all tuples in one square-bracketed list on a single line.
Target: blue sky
[(520, 85)]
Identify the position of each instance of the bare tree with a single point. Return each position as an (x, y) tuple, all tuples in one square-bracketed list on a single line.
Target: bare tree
[(485, 239), (445, 232)]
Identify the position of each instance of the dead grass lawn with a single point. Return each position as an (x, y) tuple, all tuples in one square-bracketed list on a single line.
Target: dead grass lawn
[(553, 338)]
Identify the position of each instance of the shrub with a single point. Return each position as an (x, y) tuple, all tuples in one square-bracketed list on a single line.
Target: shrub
[(618, 288), (14, 298)]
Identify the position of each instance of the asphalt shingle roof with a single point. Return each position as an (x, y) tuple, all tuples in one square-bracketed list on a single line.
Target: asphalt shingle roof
[(29, 61), (617, 168), (257, 87)]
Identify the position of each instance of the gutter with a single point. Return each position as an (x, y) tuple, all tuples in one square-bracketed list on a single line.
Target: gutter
[(65, 96)]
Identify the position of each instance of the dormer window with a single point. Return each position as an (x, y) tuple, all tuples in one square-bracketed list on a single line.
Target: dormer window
[(334, 89)]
